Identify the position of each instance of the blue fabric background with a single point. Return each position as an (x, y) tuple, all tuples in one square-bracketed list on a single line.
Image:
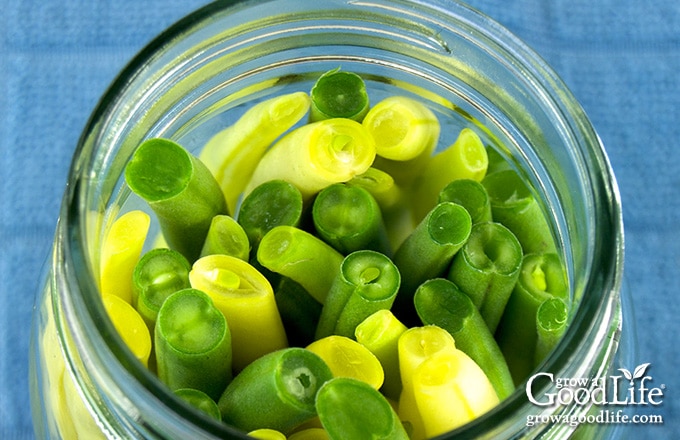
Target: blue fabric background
[(619, 57)]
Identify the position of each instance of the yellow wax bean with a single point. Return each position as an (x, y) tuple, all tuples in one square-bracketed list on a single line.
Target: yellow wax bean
[(73, 419), (83, 423), (120, 252), (232, 154), (267, 434), (406, 133), (71, 416), (465, 159), (130, 326), (415, 346), (451, 390), (380, 333), (347, 358), (403, 128), (314, 423), (246, 299), (56, 369), (65, 422), (316, 155), (310, 434), (381, 186)]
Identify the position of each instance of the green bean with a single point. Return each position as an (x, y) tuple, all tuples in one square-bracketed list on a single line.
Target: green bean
[(276, 391), (542, 277), (551, 323), (299, 311), (349, 219), (193, 344), (428, 251), (273, 203), (180, 189), (350, 409), (497, 162), (338, 94), (199, 400), (226, 237), (487, 268), (302, 257), (158, 274), (470, 194), (514, 206), (393, 202), (368, 281)]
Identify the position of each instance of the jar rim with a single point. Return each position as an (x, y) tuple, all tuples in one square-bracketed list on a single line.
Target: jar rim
[(608, 252)]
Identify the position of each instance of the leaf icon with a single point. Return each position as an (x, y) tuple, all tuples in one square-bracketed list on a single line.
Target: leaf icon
[(640, 371), (626, 373)]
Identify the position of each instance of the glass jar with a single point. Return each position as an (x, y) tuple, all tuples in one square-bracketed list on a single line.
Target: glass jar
[(194, 78)]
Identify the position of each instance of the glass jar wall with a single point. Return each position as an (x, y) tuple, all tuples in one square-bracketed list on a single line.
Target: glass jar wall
[(199, 75)]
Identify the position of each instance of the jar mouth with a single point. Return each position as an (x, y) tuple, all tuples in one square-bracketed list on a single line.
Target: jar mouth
[(451, 37)]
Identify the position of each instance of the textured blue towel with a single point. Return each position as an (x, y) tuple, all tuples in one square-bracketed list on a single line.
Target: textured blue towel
[(620, 58)]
